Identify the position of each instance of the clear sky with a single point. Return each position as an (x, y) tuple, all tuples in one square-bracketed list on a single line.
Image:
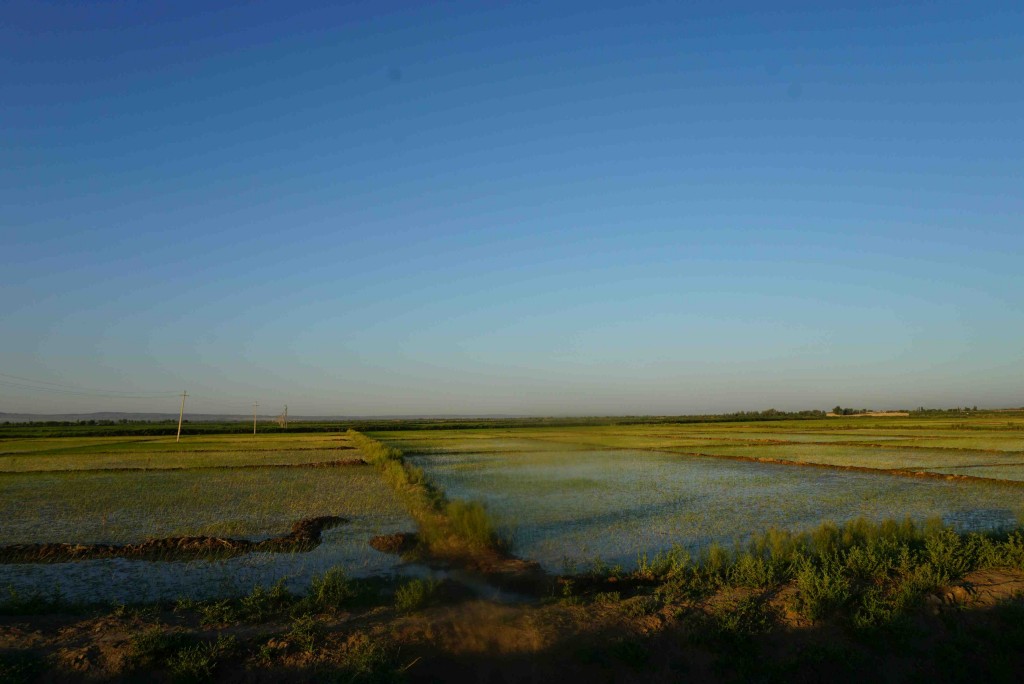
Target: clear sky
[(511, 207)]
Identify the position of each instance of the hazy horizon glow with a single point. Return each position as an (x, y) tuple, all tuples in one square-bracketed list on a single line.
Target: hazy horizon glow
[(556, 208)]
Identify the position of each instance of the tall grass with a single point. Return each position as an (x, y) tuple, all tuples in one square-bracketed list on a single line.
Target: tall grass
[(445, 527), (870, 572)]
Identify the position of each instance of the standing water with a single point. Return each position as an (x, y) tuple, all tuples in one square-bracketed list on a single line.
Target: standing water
[(577, 506)]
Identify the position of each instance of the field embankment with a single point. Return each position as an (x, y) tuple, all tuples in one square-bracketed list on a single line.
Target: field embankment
[(460, 532), (304, 536)]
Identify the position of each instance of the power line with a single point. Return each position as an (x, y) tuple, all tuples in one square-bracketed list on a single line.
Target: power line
[(75, 393), (65, 388), (60, 388)]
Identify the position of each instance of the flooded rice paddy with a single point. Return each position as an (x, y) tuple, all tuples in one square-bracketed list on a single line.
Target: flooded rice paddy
[(567, 496), (126, 507), (576, 506), (119, 507), (121, 580)]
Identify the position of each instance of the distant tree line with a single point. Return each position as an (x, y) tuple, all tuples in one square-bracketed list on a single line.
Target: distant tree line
[(919, 411), (169, 427), (922, 411), (840, 411)]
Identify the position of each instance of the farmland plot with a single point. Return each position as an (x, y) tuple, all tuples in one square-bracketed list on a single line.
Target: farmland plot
[(96, 500), (577, 505)]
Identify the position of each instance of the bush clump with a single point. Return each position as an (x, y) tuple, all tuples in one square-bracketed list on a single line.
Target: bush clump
[(416, 594)]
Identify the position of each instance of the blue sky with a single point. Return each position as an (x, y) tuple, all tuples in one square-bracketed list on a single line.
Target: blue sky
[(529, 208)]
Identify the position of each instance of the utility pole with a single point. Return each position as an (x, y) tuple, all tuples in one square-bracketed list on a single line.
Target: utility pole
[(286, 416), (180, 415), (254, 405)]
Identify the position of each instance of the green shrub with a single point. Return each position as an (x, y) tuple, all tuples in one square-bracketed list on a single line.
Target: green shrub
[(367, 660), (826, 539), (748, 617), (261, 604), (665, 564), (686, 587), (305, 633), (471, 523), (915, 583), (821, 588), (568, 590), (607, 597), (875, 560), (218, 612), (1013, 550), (715, 561), (873, 609), (641, 606), (152, 647), (197, 663), (416, 594), (755, 571), (950, 554), (778, 545), (332, 590)]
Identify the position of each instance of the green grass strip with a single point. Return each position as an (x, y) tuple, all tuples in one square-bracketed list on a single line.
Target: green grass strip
[(450, 528)]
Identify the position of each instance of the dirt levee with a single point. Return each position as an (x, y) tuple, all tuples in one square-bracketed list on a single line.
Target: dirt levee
[(304, 536)]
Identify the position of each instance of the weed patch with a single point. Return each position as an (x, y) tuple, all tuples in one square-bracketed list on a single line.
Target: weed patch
[(199, 662), (821, 589), (368, 660), (416, 594), (305, 634), (641, 606), (749, 617), (332, 590)]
